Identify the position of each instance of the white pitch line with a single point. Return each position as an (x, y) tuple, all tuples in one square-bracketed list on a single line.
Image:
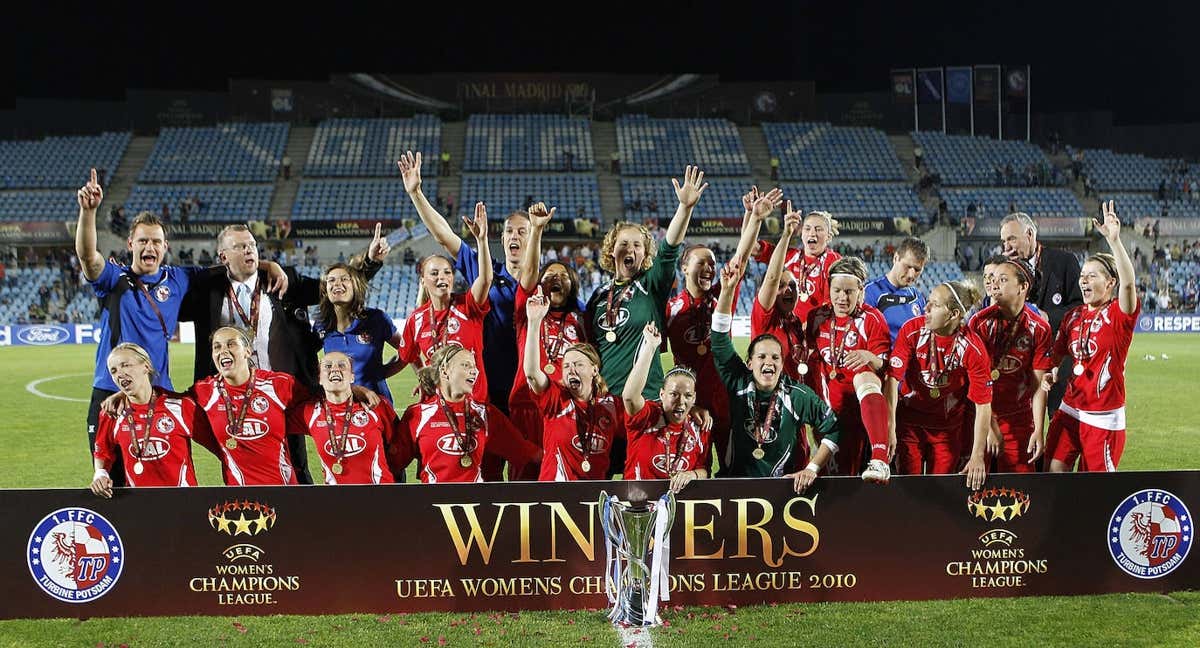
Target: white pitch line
[(635, 637), (32, 388)]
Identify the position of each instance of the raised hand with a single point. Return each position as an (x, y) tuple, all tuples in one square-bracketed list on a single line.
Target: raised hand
[(650, 336), (731, 274), (792, 220), (539, 217), (537, 306), (379, 245), (478, 225), (749, 198), (90, 195), (768, 202), (410, 171), (1110, 229), (693, 185)]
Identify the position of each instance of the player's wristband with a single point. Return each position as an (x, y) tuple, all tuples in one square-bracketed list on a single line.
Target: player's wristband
[(722, 323), (100, 472), (812, 465)]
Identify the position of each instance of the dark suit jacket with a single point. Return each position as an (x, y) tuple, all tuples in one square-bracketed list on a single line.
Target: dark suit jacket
[(291, 343), (1056, 289)]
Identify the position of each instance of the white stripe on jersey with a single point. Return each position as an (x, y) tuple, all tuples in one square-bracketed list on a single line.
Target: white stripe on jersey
[(175, 407), (183, 474), (560, 475), (285, 466), (1105, 375), (1112, 420), (1108, 462), (376, 468), (427, 412), (267, 387), (213, 398), (432, 477), (234, 471)]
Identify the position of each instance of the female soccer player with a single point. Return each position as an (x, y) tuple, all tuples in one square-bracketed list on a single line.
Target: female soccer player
[(356, 442), (580, 418), (768, 409), (664, 440), (810, 263), (152, 434), (1018, 344), (447, 317), (246, 408), (851, 342), (774, 309), (560, 329), (450, 429), (348, 326), (936, 365), (1090, 423)]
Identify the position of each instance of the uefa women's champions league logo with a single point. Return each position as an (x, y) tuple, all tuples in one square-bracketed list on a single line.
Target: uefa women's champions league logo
[(75, 555), (1150, 534)]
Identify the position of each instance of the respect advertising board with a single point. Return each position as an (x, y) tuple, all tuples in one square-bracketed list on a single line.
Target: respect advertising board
[(536, 546), (1168, 323)]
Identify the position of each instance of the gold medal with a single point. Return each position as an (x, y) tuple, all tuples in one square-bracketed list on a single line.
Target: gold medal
[(336, 468), (834, 374), (611, 336), (231, 443), (758, 453), (702, 349), (549, 368), (465, 461), (803, 296), (995, 374), (138, 468), (586, 466), (1078, 370), (803, 369), (935, 392)]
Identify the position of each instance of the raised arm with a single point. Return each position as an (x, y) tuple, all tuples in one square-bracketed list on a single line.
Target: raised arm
[(769, 290), (1126, 279), (688, 194), (758, 207), (531, 258), (410, 171), (535, 312), (90, 259), (479, 229), (632, 394)]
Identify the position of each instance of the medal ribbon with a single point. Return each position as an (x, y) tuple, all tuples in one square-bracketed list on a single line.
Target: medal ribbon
[(762, 431), (584, 432), (232, 424), (339, 444), (250, 322), (610, 316), (1010, 336), (666, 439), (552, 347), (140, 444), (1084, 332), (465, 438)]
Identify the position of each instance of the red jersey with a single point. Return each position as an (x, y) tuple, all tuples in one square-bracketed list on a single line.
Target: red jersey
[(654, 445), (559, 331), (425, 432), (812, 274), (689, 326), (833, 337), (164, 450), (1099, 342), (934, 387), (259, 456), (1015, 349), (786, 328), (427, 329), (363, 440), (567, 427)]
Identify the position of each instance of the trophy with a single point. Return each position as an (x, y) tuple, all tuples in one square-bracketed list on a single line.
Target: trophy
[(635, 569)]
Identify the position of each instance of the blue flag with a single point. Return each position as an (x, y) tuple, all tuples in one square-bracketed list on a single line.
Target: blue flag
[(958, 85)]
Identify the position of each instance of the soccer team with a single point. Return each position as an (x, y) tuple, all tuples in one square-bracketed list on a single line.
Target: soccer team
[(519, 370)]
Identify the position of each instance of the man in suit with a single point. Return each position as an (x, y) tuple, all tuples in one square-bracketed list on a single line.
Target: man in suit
[(236, 295), (1055, 288)]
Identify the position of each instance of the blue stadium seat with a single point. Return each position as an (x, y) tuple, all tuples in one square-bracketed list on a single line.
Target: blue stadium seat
[(849, 201), (60, 162), (962, 160), (370, 147), (217, 202), (506, 193), (821, 151), (1111, 171), (231, 152), (38, 205), (528, 143), (1038, 202), (334, 199), (651, 146)]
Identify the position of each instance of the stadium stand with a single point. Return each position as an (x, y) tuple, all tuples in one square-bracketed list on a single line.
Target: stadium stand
[(59, 162), (722, 199), (370, 147), (1112, 171), (821, 151), (332, 199), (651, 146), (37, 205), (528, 143), (506, 193), (1142, 205), (856, 200), (216, 202), (962, 160), (1039, 202), (229, 152)]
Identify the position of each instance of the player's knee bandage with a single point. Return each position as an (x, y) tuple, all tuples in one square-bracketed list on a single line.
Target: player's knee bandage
[(866, 389)]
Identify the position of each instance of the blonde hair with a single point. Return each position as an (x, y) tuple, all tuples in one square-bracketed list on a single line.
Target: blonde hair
[(429, 376), (850, 266), (610, 243), (245, 335), (830, 222), (965, 295), (1108, 261), (136, 350), (599, 386), (422, 294)]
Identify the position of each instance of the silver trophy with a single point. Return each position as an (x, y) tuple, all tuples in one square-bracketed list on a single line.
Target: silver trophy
[(636, 577)]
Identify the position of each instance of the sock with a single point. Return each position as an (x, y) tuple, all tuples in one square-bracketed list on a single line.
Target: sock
[(875, 418)]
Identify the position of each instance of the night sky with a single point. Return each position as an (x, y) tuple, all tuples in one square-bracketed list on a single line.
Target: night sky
[(1094, 56)]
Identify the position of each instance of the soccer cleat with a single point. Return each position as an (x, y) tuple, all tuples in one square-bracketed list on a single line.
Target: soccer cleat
[(877, 472)]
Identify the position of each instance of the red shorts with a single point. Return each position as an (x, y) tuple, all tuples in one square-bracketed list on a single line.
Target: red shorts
[(853, 443), (924, 450), (1015, 430), (526, 419), (1097, 449)]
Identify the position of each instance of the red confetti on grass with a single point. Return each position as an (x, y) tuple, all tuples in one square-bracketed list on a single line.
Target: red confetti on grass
[(240, 628), (387, 618), (478, 630), (731, 607), (570, 621), (424, 639), (441, 640), (301, 640)]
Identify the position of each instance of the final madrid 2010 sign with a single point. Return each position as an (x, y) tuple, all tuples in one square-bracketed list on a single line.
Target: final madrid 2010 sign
[(530, 546)]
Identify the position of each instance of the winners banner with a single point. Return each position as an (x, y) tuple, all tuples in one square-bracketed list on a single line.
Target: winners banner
[(538, 546)]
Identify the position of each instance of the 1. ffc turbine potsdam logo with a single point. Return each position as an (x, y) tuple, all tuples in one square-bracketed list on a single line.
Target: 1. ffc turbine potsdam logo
[(1150, 533)]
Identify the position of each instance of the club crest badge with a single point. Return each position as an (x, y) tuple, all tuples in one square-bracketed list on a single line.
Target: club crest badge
[(1150, 534), (75, 555)]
